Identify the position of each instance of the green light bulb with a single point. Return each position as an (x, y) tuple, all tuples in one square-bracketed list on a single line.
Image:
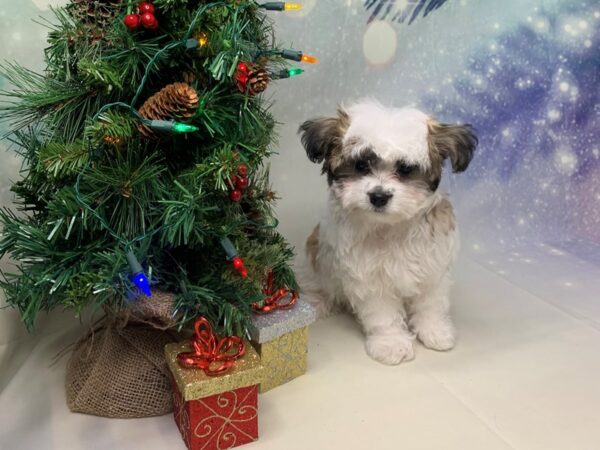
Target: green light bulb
[(179, 127), (295, 71)]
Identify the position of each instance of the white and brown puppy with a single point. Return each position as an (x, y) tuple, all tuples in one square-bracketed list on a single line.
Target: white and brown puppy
[(388, 238)]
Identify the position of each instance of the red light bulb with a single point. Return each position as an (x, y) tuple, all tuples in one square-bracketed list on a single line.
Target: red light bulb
[(238, 264)]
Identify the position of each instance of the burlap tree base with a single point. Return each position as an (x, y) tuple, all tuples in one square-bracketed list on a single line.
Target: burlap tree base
[(119, 370)]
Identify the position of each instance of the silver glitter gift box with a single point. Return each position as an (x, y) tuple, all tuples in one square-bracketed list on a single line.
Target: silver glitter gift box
[(281, 339)]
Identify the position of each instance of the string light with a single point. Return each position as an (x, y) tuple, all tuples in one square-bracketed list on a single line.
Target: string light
[(309, 59), (281, 6), (296, 55), (234, 257), (202, 39), (171, 126), (294, 71), (293, 6), (179, 127), (286, 73), (192, 43), (139, 277)]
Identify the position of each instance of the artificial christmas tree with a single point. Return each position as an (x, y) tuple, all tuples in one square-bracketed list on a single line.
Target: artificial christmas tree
[(143, 162)]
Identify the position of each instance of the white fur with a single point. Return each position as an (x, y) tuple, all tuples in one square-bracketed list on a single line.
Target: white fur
[(390, 268), (390, 130)]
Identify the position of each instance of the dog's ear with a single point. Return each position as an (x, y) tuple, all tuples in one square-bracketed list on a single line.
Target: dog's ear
[(321, 136), (456, 142)]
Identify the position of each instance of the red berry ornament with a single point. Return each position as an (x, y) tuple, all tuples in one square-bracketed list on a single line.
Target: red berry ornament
[(232, 182), (243, 170), (154, 25), (132, 21), (242, 183), (235, 195), (146, 7), (238, 183), (149, 21)]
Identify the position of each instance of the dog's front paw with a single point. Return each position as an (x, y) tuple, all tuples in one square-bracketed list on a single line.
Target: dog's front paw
[(436, 334), (390, 349)]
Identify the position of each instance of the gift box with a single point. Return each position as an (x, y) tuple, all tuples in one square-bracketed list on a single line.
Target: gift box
[(216, 412), (281, 340)]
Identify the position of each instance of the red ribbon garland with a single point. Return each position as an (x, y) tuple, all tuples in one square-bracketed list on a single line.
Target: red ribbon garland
[(275, 298), (210, 354)]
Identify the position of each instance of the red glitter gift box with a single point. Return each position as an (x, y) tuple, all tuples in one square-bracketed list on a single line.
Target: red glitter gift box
[(216, 412)]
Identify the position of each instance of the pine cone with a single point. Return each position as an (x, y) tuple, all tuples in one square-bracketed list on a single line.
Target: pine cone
[(177, 101), (258, 80), (113, 140), (188, 77), (100, 13)]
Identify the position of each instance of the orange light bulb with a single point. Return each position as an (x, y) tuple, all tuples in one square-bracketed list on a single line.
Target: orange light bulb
[(202, 39), (309, 59)]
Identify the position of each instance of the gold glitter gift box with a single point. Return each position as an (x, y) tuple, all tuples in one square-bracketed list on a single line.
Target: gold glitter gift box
[(281, 339), (216, 412)]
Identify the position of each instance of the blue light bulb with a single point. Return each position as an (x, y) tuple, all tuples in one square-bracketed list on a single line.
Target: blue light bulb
[(140, 280)]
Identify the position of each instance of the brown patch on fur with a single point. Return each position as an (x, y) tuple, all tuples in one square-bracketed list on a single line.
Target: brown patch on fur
[(337, 158), (436, 158), (457, 142), (312, 247), (344, 167), (441, 218), (322, 139)]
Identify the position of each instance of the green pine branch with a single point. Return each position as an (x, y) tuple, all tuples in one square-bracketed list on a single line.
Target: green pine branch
[(61, 106), (61, 160), (126, 189)]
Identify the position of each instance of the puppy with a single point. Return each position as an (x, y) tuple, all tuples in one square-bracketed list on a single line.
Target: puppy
[(387, 240)]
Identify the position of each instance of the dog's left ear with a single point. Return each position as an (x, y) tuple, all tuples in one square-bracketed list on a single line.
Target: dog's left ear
[(320, 137), (456, 142)]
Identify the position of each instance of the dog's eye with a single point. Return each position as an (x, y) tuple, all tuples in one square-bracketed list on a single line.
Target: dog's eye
[(362, 166), (405, 169)]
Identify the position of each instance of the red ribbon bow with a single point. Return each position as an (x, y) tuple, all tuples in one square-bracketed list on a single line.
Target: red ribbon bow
[(210, 354), (275, 298)]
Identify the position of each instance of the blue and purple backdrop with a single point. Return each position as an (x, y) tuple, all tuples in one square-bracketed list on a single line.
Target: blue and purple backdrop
[(526, 74)]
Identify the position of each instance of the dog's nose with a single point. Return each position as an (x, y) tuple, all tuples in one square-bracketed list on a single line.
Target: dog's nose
[(379, 198)]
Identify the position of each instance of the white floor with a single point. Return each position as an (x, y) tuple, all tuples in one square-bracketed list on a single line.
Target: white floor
[(525, 375)]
